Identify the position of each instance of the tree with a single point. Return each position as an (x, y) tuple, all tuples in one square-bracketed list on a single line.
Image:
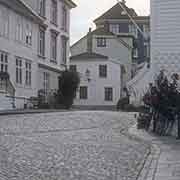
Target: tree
[(68, 84)]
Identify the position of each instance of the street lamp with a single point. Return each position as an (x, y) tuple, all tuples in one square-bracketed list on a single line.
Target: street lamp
[(88, 74)]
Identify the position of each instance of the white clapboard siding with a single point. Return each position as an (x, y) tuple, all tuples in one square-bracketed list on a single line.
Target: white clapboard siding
[(165, 34)]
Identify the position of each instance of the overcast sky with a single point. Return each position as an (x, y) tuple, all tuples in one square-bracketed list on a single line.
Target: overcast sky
[(87, 10)]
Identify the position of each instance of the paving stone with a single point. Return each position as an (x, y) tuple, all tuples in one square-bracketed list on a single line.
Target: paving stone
[(70, 146)]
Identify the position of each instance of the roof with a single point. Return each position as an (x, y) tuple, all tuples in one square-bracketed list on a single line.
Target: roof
[(21, 7), (70, 3), (88, 55), (116, 13)]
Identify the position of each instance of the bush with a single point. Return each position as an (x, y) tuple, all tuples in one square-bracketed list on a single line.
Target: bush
[(68, 85)]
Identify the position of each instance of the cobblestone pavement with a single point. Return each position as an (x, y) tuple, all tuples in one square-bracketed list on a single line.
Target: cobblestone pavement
[(70, 146), (164, 162)]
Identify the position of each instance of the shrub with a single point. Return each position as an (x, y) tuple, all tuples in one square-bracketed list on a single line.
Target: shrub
[(68, 85)]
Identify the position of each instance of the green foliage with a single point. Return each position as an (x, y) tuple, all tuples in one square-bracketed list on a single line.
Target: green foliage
[(68, 85)]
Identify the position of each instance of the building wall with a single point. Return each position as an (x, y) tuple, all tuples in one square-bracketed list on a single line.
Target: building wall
[(124, 28), (21, 50), (114, 50), (96, 84), (165, 35), (15, 49)]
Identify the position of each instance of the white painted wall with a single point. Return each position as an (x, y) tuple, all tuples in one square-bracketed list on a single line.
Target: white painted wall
[(20, 49), (115, 50), (96, 85)]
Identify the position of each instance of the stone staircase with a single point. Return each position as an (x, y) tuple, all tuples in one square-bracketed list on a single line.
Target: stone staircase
[(6, 101), (7, 92)]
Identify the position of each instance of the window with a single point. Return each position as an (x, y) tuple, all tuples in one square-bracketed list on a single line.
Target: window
[(135, 53), (108, 94), (41, 48), (146, 28), (103, 71), (4, 62), (28, 73), (133, 30), (64, 50), (146, 49), (53, 46), (42, 8), (101, 42), (19, 70), (54, 11), (4, 22), (73, 68), (83, 92), (28, 32), (19, 28), (115, 28), (46, 82), (64, 18)]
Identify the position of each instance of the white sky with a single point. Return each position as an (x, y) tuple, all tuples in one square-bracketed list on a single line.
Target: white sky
[(87, 10)]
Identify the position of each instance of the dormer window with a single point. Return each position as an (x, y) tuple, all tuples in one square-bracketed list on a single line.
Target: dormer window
[(115, 28), (101, 42)]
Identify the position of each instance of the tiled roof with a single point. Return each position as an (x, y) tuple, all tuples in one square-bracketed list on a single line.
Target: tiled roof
[(116, 13), (88, 55)]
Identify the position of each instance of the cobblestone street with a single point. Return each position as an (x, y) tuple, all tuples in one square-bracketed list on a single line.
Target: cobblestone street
[(70, 146)]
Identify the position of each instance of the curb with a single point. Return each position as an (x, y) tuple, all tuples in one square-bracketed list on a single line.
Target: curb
[(150, 163), (18, 112)]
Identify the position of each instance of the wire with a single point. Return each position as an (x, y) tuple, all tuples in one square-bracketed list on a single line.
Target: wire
[(131, 18)]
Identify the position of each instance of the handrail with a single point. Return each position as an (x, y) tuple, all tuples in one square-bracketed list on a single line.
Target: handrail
[(7, 86)]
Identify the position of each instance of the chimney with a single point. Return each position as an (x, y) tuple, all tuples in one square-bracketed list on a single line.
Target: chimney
[(123, 2), (89, 41)]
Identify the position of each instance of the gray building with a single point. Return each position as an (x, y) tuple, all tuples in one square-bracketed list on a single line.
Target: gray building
[(117, 21)]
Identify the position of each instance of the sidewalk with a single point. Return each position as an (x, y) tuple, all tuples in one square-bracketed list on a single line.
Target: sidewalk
[(164, 161)]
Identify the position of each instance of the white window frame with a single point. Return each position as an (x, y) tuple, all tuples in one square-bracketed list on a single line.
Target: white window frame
[(19, 70), (3, 62), (4, 26), (54, 11), (133, 30), (64, 49), (28, 34), (107, 95), (19, 28), (115, 28), (46, 82), (101, 42), (54, 46), (64, 18), (28, 74), (41, 44)]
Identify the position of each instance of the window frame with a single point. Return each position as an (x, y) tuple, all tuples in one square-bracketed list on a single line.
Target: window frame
[(54, 12), (53, 49), (83, 92), (41, 43), (28, 73), (3, 62), (19, 69), (64, 41), (101, 42), (64, 18), (103, 71), (108, 94)]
